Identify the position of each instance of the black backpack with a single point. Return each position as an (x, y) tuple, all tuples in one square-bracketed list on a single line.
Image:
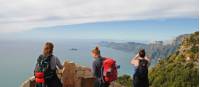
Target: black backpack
[(43, 65), (142, 69)]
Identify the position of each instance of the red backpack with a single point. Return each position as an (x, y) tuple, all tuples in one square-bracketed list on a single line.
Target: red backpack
[(109, 70)]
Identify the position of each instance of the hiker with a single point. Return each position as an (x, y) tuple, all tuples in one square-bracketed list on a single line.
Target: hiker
[(104, 69), (141, 63), (46, 66)]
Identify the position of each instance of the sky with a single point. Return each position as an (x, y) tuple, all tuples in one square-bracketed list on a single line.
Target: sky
[(98, 19)]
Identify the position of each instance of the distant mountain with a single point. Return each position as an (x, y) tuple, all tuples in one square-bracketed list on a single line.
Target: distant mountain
[(127, 47), (181, 68), (156, 50)]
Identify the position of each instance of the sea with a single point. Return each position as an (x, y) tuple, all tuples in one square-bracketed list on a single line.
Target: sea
[(18, 57)]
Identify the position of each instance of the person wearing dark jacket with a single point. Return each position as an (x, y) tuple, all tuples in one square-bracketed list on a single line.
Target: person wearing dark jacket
[(48, 64), (97, 68)]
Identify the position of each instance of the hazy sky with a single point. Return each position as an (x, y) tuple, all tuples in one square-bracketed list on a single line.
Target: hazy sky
[(98, 19)]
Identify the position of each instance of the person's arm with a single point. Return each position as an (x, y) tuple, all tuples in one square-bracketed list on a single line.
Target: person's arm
[(94, 69), (60, 66), (149, 60), (133, 61)]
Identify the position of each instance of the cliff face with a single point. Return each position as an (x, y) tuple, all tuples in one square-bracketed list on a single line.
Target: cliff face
[(180, 69), (73, 75), (156, 50)]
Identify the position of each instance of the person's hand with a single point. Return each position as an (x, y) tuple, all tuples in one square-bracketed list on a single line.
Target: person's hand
[(148, 58)]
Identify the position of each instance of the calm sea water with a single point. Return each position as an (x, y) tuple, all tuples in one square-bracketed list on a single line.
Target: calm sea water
[(18, 57)]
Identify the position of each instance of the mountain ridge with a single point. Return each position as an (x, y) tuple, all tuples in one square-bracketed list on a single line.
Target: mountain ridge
[(156, 50), (180, 69)]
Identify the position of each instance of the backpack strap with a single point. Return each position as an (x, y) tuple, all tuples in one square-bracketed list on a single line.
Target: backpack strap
[(50, 73), (39, 59), (49, 61), (102, 68)]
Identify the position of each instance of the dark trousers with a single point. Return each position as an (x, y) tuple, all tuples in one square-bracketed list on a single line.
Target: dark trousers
[(53, 82), (100, 84), (140, 81)]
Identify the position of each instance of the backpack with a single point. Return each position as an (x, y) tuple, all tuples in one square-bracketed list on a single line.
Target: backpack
[(142, 69), (109, 70), (43, 69)]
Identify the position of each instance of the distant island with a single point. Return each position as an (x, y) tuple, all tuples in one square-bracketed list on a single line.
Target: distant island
[(73, 49)]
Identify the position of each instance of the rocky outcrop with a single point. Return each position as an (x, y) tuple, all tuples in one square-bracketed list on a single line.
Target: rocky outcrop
[(72, 75), (75, 75), (29, 82)]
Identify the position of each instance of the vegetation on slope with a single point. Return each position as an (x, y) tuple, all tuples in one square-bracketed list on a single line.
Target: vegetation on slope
[(180, 69)]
